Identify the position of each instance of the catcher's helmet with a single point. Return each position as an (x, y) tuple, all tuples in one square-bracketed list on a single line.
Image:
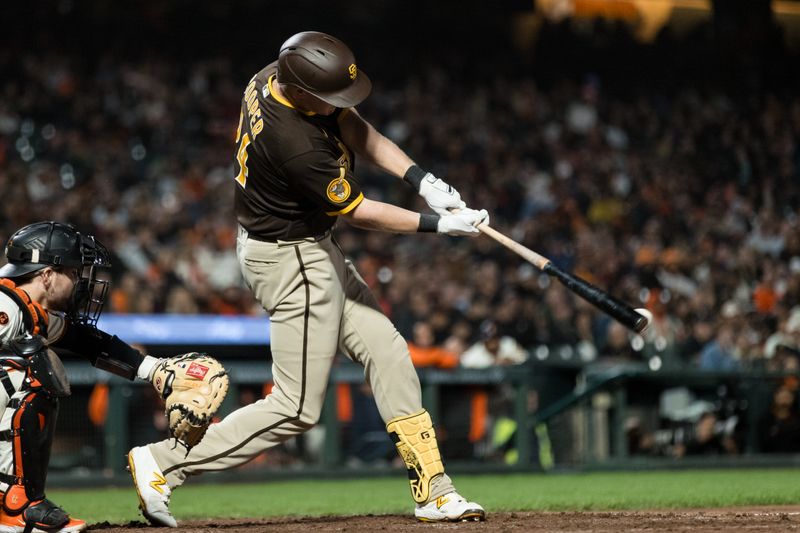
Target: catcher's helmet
[(325, 67), (44, 244)]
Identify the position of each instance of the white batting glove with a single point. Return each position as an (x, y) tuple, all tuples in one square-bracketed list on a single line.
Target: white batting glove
[(463, 223), (439, 195)]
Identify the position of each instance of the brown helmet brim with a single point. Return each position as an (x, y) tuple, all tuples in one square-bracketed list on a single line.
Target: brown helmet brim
[(349, 97)]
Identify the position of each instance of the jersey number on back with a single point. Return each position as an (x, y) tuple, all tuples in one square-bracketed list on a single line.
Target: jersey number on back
[(241, 157), (256, 126)]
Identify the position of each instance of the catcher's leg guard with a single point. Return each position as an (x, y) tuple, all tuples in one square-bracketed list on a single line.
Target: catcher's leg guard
[(31, 430), (416, 443)]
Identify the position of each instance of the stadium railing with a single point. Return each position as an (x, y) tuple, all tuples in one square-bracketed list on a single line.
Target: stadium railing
[(585, 407)]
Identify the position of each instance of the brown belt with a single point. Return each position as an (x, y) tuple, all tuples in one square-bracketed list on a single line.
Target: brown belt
[(276, 239)]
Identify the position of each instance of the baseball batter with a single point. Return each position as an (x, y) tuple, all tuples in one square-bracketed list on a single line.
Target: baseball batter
[(298, 136)]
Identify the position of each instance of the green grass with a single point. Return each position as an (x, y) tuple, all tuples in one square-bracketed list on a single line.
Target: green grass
[(518, 492)]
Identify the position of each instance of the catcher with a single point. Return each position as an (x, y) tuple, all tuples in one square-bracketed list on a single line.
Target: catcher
[(50, 297)]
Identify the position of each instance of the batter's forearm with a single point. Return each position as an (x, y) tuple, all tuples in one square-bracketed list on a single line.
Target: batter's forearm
[(383, 217), (387, 155), (373, 146)]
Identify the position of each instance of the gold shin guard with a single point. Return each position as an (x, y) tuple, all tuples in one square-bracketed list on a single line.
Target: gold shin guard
[(416, 443)]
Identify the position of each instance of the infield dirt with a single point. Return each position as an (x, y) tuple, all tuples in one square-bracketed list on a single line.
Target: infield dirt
[(762, 519)]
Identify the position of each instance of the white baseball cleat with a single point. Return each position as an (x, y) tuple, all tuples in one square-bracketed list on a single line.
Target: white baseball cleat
[(451, 507), (151, 487)]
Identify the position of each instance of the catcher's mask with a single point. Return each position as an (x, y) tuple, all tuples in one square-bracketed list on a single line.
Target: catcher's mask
[(61, 246), (323, 66)]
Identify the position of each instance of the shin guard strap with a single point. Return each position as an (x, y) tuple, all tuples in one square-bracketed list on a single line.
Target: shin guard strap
[(416, 443)]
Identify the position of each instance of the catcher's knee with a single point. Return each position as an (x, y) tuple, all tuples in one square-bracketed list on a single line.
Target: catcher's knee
[(416, 443)]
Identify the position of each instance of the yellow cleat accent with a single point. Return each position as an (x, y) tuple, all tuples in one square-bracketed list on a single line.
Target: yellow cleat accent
[(132, 470), (158, 482)]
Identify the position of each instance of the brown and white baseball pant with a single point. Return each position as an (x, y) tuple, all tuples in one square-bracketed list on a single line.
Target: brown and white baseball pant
[(318, 304)]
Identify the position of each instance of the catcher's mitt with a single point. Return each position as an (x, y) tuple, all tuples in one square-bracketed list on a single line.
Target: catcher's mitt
[(193, 386)]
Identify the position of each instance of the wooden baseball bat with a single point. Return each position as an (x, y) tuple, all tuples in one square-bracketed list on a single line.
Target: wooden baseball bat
[(595, 296)]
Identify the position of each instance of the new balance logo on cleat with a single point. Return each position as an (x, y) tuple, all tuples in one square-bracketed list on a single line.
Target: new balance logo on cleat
[(451, 507), (158, 482)]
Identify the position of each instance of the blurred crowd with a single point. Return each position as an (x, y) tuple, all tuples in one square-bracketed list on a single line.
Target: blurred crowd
[(678, 197), (684, 203)]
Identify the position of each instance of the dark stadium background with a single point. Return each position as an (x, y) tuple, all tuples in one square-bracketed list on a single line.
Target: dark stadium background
[(738, 59)]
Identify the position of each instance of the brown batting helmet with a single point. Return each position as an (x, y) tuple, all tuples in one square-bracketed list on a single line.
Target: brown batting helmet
[(323, 66)]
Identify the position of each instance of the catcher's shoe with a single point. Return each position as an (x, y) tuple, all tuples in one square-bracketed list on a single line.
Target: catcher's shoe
[(45, 516), (151, 487), (451, 507)]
